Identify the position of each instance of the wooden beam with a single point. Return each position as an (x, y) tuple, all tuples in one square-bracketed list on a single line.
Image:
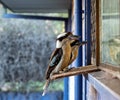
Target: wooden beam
[(37, 17), (97, 34), (76, 71)]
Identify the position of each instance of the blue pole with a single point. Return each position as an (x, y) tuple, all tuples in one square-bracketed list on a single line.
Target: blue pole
[(78, 61), (88, 30), (88, 39), (65, 95), (66, 79)]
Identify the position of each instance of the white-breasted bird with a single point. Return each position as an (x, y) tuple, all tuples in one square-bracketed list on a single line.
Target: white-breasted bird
[(60, 57)]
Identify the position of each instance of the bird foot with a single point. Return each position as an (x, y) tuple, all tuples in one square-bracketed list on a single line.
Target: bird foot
[(53, 74), (66, 70)]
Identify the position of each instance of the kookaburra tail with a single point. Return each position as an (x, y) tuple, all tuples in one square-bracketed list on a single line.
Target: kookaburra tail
[(45, 87)]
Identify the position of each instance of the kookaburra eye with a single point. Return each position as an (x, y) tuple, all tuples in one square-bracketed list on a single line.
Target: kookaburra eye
[(60, 39)]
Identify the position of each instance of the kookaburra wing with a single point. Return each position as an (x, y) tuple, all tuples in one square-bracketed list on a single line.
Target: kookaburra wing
[(54, 60)]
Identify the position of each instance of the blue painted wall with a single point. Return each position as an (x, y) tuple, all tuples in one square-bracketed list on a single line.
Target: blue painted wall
[(31, 96)]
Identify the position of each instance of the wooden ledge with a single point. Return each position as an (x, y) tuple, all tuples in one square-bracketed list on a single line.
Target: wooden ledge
[(106, 85), (114, 70), (76, 71)]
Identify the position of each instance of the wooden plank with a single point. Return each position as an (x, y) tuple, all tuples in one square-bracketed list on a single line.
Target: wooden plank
[(97, 34), (76, 71)]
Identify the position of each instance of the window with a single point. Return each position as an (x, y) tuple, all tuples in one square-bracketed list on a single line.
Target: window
[(110, 32), (101, 84)]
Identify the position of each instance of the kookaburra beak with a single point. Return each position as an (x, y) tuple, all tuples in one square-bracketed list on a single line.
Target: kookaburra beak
[(80, 43)]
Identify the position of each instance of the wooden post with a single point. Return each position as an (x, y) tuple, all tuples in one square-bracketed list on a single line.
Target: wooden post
[(97, 34)]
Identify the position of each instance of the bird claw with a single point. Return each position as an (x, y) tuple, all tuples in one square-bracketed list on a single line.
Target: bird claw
[(66, 70), (53, 74)]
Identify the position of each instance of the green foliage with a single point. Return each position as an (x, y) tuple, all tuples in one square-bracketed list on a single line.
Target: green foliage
[(31, 86), (25, 49)]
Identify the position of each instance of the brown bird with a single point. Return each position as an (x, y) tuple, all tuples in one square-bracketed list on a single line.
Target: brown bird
[(60, 57)]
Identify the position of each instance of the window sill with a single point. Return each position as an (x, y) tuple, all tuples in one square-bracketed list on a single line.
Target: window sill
[(114, 70), (107, 86)]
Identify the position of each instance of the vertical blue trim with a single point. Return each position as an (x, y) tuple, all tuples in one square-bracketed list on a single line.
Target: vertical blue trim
[(66, 89), (84, 88), (88, 30), (83, 78), (86, 60), (66, 79), (88, 39), (78, 61)]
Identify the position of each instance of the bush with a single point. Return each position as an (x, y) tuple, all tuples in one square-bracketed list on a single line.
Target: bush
[(24, 49)]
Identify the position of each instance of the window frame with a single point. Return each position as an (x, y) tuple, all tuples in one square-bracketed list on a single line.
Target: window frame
[(96, 86), (109, 68)]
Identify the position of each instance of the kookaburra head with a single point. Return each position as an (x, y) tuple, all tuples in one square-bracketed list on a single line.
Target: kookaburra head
[(61, 38)]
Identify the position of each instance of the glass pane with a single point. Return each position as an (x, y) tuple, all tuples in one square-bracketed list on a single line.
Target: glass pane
[(110, 32)]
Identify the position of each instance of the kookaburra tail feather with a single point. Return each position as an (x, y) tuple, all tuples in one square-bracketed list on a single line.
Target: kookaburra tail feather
[(45, 87)]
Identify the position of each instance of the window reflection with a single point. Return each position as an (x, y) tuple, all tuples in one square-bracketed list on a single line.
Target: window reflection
[(110, 32)]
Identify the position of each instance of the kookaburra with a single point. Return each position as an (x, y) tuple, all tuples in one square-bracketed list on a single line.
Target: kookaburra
[(60, 58)]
